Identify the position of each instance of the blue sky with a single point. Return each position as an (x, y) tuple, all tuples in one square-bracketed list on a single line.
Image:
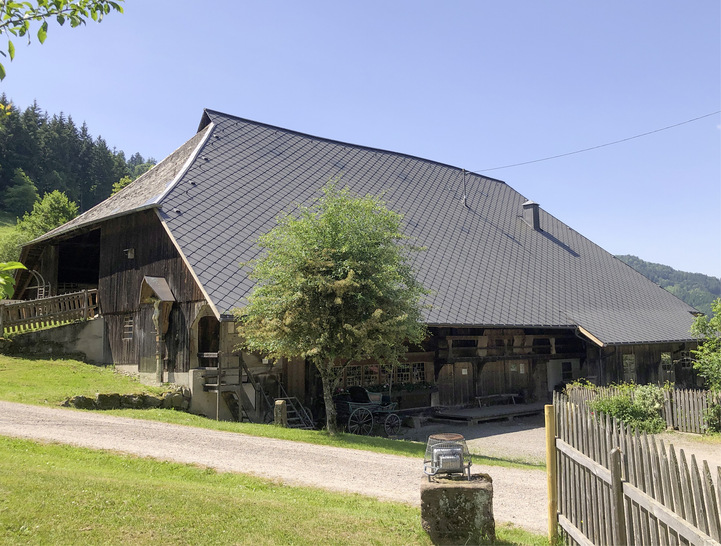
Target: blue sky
[(475, 84)]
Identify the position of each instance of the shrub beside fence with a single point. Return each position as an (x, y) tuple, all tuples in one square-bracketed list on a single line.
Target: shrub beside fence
[(611, 485), (683, 409)]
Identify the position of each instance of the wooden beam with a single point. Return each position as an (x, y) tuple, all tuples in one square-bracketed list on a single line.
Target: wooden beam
[(590, 336)]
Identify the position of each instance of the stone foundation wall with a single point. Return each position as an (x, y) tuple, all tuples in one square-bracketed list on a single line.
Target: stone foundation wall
[(178, 399)]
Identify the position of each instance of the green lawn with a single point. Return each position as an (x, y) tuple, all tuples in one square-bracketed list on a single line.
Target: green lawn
[(57, 494), (49, 382)]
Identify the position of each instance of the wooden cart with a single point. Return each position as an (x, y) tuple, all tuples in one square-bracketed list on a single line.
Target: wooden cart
[(360, 415)]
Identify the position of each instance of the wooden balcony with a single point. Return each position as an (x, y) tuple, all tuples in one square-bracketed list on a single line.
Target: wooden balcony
[(22, 316)]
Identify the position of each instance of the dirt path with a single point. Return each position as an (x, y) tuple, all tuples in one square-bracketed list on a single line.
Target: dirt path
[(519, 495)]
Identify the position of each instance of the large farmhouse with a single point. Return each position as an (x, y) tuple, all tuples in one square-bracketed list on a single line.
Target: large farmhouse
[(520, 301)]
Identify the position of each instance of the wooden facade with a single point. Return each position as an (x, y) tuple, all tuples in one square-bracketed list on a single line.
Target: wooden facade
[(132, 247), (461, 363)]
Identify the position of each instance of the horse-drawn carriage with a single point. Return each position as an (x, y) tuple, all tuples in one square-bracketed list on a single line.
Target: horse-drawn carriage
[(360, 415)]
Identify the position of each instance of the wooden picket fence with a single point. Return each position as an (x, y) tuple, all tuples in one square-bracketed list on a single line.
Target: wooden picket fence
[(683, 409), (611, 485), (22, 316)]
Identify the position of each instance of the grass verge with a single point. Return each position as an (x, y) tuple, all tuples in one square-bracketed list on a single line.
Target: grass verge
[(57, 494), (49, 382)]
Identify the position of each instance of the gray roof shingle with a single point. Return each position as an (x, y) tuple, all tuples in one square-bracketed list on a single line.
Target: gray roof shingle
[(484, 265)]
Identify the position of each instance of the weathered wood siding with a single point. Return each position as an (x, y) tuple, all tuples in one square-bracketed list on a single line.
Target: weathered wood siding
[(119, 291), (644, 363)]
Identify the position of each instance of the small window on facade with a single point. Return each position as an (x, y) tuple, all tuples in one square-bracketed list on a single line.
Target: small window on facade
[(686, 360), (629, 368), (352, 376), (419, 372), (567, 371), (128, 328), (403, 373), (370, 375), (666, 362)]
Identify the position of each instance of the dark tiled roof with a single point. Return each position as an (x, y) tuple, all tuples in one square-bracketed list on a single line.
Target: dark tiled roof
[(484, 264)]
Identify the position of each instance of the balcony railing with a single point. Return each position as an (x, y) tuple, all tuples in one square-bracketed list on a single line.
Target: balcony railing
[(23, 316)]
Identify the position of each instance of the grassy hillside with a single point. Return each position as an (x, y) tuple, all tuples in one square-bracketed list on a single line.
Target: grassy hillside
[(696, 289), (7, 223)]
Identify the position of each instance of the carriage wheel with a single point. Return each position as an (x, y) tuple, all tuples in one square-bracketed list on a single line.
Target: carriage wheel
[(309, 414), (360, 422), (392, 424)]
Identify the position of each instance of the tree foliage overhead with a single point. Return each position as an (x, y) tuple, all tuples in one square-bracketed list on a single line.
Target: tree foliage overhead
[(16, 18), (334, 285), (708, 354), (695, 289), (53, 153)]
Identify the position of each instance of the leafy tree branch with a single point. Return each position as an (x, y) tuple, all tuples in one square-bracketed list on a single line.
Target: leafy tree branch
[(17, 17)]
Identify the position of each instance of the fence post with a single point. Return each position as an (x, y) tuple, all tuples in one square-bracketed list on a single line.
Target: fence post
[(618, 516), (551, 473)]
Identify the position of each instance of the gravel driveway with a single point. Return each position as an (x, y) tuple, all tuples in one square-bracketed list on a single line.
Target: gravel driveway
[(519, 495)]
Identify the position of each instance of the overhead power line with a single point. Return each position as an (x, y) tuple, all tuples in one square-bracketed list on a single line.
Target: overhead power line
[(478, 171)]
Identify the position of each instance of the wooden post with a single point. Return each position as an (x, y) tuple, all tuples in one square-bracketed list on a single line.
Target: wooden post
[(551, 473), (158, 357), (618, 515), (219, 383), (280, 413)]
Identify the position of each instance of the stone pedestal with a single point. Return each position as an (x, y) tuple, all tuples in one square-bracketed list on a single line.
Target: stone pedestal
[(455, 510)]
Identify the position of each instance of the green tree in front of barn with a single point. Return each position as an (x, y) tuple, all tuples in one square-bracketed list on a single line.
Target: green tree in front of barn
[(708, 354), (334, 285)]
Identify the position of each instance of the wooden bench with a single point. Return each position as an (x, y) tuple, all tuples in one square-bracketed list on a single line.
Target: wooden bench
[(493, 398)]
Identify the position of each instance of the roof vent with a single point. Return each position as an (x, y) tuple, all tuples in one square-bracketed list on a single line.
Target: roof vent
[(530, 215)]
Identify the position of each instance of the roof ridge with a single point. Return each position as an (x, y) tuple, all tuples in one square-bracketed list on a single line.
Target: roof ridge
[(188, 162), (210, 112)]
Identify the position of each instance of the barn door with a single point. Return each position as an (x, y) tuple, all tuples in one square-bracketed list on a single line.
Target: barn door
[(208, 341), (455, 384), (146, 340)]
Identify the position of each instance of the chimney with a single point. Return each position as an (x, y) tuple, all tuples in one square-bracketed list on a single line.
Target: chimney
[(530, 215)]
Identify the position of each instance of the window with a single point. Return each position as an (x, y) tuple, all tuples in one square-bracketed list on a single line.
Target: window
[(403, 373), (419, 372), (352, 376), (686, 360), (128, 328), (370, 375), (629, 368), (666, 362), (567, 371)]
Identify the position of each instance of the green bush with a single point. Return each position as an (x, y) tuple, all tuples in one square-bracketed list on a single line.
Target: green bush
[(642, 410), (712, 417)]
